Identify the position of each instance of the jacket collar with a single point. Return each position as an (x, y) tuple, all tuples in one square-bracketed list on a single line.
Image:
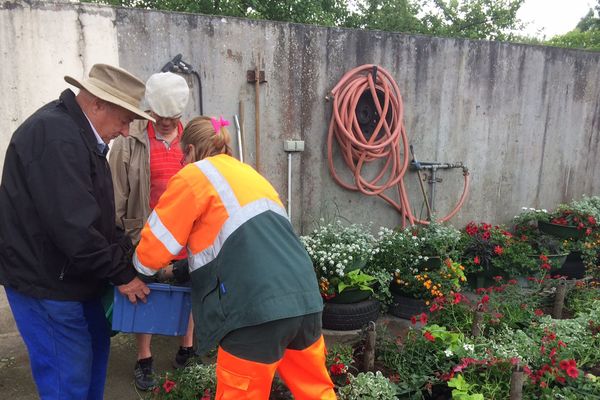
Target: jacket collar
[(67, 98)]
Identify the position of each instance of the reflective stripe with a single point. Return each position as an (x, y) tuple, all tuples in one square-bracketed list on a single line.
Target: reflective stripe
[(221, 185), (141, 268), (236, 220), (163, 234)]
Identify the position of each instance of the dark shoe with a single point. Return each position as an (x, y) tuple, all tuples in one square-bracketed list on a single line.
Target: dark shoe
[(144, 375), (184, 357)]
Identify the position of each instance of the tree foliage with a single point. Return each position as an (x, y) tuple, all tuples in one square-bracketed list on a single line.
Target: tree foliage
[(586, 34), (471, 19)]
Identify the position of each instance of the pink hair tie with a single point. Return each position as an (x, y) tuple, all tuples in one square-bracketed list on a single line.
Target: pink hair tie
[(219, 124)]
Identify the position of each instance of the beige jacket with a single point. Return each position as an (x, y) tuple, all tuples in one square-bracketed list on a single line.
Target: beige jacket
[(129, 161)]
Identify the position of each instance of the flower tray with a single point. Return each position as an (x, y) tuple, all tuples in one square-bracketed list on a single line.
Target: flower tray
[(166, 311)]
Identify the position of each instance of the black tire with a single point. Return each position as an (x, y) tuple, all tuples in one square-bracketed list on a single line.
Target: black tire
[(406, 307), (347, 317)]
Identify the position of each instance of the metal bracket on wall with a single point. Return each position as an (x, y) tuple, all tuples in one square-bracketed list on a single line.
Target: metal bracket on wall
[(251, 76)]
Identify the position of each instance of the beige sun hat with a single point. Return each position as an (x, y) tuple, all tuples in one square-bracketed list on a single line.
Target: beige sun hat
[(167, 94), (115, 85)]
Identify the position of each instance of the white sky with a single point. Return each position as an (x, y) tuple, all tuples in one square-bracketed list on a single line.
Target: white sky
[(553, 17)]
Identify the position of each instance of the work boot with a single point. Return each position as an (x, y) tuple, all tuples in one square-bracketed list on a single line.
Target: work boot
[(184, 357), (144, 375)]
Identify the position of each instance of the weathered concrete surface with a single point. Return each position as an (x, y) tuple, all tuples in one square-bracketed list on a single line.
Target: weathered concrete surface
[(524, 119)]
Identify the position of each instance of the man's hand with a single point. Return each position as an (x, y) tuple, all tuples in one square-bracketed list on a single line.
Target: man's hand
[(134, 289)]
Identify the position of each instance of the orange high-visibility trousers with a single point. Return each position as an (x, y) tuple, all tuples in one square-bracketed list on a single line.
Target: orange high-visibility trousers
[(303, 371)]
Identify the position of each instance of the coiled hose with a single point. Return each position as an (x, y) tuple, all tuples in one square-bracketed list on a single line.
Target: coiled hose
[(387, 145)]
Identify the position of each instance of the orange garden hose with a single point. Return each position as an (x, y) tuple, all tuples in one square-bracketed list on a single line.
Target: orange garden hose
[(391, 149)]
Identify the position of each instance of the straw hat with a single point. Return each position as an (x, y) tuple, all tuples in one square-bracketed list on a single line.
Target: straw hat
[(114, 85)]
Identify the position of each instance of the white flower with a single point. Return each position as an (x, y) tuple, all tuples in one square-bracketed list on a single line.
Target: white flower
[(469, 347), (544, 210), (448, 352), (523, 208)]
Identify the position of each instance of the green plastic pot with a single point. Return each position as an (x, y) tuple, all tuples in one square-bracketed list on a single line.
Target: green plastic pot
[(561, 231)]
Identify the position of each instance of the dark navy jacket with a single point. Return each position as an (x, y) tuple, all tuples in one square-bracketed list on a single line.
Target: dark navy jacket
[(58, 238)]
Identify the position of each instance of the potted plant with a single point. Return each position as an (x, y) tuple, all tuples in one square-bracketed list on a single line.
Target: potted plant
[(549, 251), (573, 220), (338, 253), (415, 281), (493, 251)]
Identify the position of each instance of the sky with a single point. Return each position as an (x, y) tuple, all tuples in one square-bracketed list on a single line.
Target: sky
[(553, 17)]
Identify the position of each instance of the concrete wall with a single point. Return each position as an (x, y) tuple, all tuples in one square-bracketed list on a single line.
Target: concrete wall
[(524, 119)]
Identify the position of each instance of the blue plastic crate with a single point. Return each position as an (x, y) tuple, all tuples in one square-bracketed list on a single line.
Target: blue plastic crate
[(166, 311)]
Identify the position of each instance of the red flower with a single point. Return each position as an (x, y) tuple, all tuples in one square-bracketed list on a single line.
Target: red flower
[(413, 320), (206, 395), (561, 344), (168, 385), (573, 372), (498, 250), (471, 229), (429, 336), (337, 369), (564, 364), (457, 298), (498, 278), (434, 307), (544, 258), (560, 379), (553, 352), (423, 318), (486, 235), (476, 260), (485, 299)]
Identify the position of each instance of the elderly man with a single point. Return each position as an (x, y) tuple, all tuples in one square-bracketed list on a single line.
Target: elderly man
[(142, 164), (59, 246)]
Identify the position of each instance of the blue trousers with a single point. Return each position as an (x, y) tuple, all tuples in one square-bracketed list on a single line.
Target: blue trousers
[(68, 344)]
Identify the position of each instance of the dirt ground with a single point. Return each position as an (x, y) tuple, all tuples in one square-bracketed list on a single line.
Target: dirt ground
[(16, 382)]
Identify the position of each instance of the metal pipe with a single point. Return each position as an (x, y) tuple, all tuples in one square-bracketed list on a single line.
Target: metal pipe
[(289, 199), (239, 137), (433, 182)]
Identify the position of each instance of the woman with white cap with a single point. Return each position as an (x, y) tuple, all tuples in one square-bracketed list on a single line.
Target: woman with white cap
[(141, 165)]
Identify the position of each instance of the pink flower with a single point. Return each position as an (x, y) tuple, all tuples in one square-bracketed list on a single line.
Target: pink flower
[(168, 385), (485, 299), (476, 260), (539, 312), (423, 318)]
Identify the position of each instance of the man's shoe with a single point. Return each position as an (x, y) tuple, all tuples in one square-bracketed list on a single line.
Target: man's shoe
[(144, 375), (184, 357)]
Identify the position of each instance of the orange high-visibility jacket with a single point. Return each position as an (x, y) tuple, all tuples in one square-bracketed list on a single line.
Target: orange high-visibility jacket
[(247, 265)]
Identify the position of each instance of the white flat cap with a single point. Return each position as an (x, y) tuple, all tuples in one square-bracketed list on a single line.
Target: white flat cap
[(167, 94)]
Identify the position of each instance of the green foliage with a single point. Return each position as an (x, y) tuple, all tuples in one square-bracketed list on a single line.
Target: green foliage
[(336, 250), (356, 280), (462, 389), (368, 386), (474, 19), (187, 383), (581, 296)]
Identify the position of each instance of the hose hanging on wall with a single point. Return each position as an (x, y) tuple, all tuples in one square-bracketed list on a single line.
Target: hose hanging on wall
[(366, 135)]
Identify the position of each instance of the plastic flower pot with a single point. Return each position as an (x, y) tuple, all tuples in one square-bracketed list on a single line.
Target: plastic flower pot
[(561, 231)]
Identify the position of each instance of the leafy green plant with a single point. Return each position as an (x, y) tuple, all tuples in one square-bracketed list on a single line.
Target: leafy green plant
[(462, 389), (368, 386), (337, 249), (581, 296), (356, 280), (187, 384), (492, 250)]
